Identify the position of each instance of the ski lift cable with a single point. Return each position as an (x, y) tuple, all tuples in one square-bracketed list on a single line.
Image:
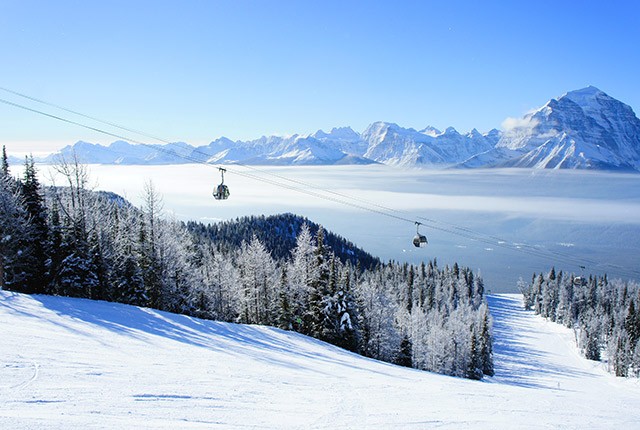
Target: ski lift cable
[(303, 183), (382, 211), (449, 228), (131, 130), (199, 161), (470, 234), (273, 182), (74, 112), (343, 198)]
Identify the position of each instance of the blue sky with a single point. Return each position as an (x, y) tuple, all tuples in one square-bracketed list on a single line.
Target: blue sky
[(197, 70)]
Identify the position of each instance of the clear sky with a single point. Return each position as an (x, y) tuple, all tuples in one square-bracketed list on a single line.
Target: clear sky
[(197, 70)]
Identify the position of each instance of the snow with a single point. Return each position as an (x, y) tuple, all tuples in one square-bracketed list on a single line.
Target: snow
[(585, 97), (77, 364)]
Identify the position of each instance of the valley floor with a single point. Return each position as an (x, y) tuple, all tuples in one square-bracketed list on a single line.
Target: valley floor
[(69, 363)]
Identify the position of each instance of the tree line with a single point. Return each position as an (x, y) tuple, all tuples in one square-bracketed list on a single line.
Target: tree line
[(604, 314), (68, 240)]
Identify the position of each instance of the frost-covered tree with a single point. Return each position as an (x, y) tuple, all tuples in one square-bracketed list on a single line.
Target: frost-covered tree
[(14, 234), (258, 277), (128, 278), (318, 317), (76, 274), (302, 275), (219, 286), (151, 252)]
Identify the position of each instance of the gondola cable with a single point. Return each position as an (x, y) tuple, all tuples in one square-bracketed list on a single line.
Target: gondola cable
[(338, 197)]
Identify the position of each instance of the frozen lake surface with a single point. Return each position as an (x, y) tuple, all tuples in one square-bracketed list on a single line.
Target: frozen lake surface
[(508, 223)]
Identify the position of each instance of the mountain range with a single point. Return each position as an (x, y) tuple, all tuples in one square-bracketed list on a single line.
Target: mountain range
[(582, 129)]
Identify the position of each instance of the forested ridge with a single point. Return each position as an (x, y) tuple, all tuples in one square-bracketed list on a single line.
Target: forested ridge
[(278, 233), (604, 314), (283, 271)]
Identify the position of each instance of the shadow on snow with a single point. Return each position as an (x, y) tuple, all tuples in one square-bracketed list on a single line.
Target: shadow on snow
[(267, 344), (516, 362)]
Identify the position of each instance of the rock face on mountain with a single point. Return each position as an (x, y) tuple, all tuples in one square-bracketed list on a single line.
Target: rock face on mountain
[(583, 129), (391, 144)]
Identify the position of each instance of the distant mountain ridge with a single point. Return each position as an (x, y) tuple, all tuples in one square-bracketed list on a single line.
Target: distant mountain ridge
[(582, 129)]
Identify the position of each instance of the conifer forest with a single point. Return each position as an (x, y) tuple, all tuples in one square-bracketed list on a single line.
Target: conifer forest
[(604, 314), (283, 271)]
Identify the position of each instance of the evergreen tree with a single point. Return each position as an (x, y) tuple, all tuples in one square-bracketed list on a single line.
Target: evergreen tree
[(257, 276), (347, 313), (602, 313), (150, 268), (129, 282), (486, 345), (152, 260), (632, 323), (284, 315), (405, 353), (474, 365), (332, 307), (14, 236), (621, 356), (4, 171), (319, 296), (410, 282), (101, 269), (56, 257), (302, 273), (38, 239), (592, 347), (127, 279)]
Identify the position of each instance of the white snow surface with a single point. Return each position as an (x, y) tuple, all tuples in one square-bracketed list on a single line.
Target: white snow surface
[(78, 364)]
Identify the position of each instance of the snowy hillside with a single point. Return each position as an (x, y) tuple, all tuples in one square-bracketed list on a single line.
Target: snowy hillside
[(583, 129), (76, 364)]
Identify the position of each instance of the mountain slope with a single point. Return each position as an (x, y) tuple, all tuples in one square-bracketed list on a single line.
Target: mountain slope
[(75, 364), (582, 129), (391, 144)]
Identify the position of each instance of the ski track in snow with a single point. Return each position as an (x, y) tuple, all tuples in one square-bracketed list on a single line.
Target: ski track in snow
[(77, 364)]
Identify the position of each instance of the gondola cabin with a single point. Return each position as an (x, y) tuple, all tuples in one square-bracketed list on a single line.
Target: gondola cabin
[(221, 192), (419, 240), (580, 281)]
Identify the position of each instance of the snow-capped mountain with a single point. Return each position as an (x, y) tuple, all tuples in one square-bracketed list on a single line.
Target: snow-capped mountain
[(584, 129), (317, 148), (391, 144)]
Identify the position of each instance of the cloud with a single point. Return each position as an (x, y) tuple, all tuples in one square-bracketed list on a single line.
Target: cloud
[(519, 124)]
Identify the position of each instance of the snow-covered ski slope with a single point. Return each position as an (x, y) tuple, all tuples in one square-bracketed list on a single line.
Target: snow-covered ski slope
[(77, 364)]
